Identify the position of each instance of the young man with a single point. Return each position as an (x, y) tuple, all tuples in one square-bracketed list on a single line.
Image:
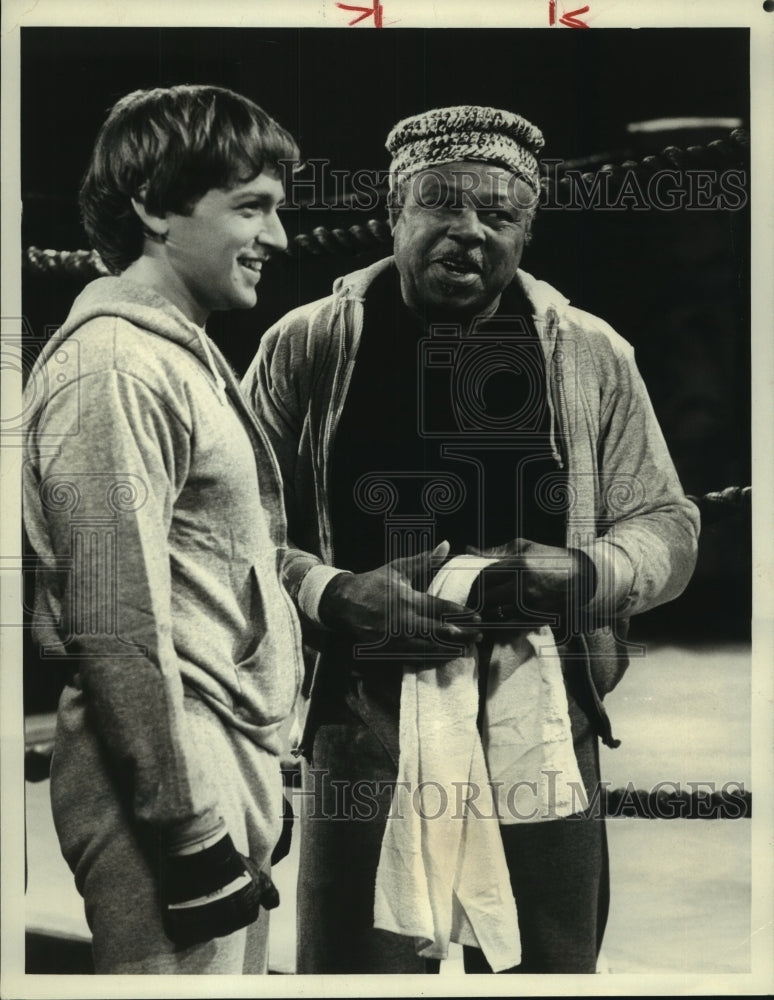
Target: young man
[(152, 500), (506, 420)]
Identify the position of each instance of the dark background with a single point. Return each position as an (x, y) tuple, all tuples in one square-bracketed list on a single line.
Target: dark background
[(675, 284)]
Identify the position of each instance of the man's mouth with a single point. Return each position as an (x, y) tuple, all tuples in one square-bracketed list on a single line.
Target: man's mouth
[(253, 264), (459, 268)]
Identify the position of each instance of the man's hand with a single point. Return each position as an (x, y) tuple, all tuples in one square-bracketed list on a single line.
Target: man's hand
[(211, 892), (531, 580), (383, 605)]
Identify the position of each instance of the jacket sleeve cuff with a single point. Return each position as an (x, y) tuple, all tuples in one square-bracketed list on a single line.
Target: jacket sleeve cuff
[(615, 578), (311, 590), (194, 835)]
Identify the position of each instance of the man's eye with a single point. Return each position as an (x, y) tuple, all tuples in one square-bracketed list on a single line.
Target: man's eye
[(495, 215), (252, 207)]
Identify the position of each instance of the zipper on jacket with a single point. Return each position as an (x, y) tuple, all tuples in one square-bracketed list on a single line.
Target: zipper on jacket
[(334, 414), (344, 366), (603, 726), (560, 423)]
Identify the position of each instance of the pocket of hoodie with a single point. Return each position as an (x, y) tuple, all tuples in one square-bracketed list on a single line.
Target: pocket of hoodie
[(267, 669)]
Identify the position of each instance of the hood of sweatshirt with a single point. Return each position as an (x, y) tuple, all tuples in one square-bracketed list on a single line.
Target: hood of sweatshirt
[(146, 309), (138, 304)]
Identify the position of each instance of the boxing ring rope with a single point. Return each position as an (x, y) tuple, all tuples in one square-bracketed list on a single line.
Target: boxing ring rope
[(733, 151)]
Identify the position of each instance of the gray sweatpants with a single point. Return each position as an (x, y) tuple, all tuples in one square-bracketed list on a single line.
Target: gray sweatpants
[(113, 866)]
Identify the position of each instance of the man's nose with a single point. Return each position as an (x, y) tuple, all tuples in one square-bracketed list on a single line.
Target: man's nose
[(466, 226), (272, 233)]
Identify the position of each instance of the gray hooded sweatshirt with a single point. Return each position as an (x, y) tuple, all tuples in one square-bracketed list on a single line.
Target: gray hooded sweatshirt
[(153, 502)]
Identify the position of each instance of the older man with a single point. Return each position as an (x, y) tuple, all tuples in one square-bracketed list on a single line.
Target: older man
[(443, 394)]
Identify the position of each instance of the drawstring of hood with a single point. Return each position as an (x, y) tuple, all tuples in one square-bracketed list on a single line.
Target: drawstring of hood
[(220, 382), (552, 321)]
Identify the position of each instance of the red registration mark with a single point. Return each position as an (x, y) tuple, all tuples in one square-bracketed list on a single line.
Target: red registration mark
[(569, 18), (376, 11)]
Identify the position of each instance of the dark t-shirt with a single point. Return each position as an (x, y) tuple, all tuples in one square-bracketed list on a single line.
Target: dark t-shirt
[(442, 436)]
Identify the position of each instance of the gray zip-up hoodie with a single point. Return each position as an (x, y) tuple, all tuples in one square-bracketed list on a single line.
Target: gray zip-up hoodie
[(153, 502), (626, 508)]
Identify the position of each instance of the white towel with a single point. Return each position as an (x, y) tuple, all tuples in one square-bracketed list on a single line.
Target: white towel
[(526, 732), (442, 873)]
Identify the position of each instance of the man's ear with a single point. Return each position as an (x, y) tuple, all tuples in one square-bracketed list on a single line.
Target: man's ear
[(528, 224), (393, 214), (155, 227), (394, 208), (529, 235)]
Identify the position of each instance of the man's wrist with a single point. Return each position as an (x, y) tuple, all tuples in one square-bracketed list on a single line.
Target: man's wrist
[(316, 586), (584, 578)]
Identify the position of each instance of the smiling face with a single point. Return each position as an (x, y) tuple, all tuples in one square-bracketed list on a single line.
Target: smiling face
[(459, 237), (211, 258)]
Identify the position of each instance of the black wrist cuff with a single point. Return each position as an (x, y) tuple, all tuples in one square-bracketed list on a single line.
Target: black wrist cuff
[(218, 918), (192, 876)]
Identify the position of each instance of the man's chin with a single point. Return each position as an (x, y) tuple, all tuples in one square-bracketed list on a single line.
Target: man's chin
[(246, 301), (237, 304), (456, 300)]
